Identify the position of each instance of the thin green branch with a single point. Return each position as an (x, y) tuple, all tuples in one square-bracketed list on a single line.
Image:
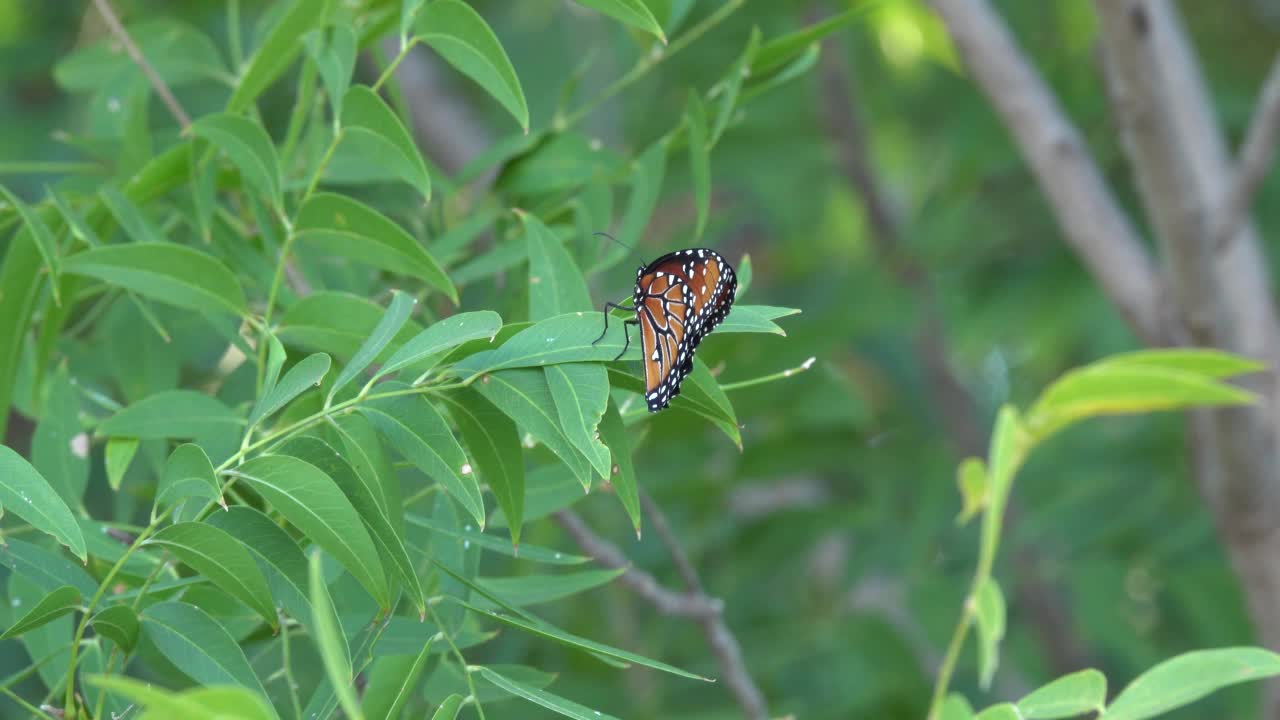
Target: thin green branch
[(405, 48), (769, 378)]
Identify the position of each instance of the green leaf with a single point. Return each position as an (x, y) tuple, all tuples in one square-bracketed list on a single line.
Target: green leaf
[(25, 493), (348, 228), (301, 377), (420, 434), (279, 555), (1068, 696), (20, 284), (180, 54), (494, 445), (408, 12), (525, 396), (525, 590), (119, 454), (333, 50), (364, 113), (394, 680), (132, 219), (198, 645), (498, 545), (971, 477), (1200, 361), (699, 160), (701, 391), (248, 147), (187, 473), (278, 51), (365, 497), (622, 469), (334, 653), (466, 42), (956, 707), (45, 569), (1188, 677), (647, 174), (200, 703), (334, 322), (443, 335), (758, 85), (172, 414), (119, 624), (448, 709), (754, 319), (60, 445), (726, 91), (41, 235), (313, 503), (223, 559), (172, 274), (555, 703), (1120, 389), (562, 339), (783, 49), (542, 629), (547, 489), (991, 624), (392, 320), (1003, 711), (556, 285), (632, 12), (581, 394), (745, 274), (59, 602)]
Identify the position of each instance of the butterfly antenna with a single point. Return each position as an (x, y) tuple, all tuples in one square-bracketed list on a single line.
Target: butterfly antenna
[(605, 234)]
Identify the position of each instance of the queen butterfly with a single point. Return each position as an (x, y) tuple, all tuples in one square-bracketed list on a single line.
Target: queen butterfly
[(679, 299)]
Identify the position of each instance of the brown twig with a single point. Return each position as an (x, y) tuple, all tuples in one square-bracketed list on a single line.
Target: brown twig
[(157, 83), (694, 604), (1256, 155)]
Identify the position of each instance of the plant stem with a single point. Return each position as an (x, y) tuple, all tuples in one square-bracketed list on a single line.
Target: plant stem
[(649, 62), (405, 48), (769, 378), (288, 671)]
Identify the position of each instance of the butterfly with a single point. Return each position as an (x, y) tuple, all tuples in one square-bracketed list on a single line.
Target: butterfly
[(679, 299)]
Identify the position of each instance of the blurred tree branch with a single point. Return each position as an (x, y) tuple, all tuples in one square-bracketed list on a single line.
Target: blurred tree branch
[(1092, 221), (694, 603), (1256, 155), (135, 53), (959, 414)]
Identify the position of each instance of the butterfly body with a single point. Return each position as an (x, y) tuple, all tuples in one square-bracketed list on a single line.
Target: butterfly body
[(679, 298)]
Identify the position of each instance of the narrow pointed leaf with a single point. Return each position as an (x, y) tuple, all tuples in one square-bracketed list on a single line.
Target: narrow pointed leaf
[(364, 113), (394, 681), (187, 473), (119, 624), (333, 50), (57, 603), (223, 559), (172, 414), (991, 625), (46, 569), (448, 709), (278, 51), (532, 553), (365, 500), (1201, 361), (198, 645), (754, 319), (556, 285), (305, 375), (525, 397), (119, 454), (418, 431), (566, 338), (336, 323), (550, 632), (441, 336), (581, 394), (41, 235), (699, 160), (347, 228), (726, 92), (173, 274), (555, 703), (278, 552), (1069, 696), (466, 42), (632, 12), (494, 447), (646, 185), (313, 503), (524, 590), (334, 653), (60, 447), (783, 49), (248, 147), (25, 493), (1189, 677), (392, 320), (622, 472)]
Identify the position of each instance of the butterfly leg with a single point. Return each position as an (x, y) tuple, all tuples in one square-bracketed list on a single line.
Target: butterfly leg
[(626, 332), (608, 306)]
